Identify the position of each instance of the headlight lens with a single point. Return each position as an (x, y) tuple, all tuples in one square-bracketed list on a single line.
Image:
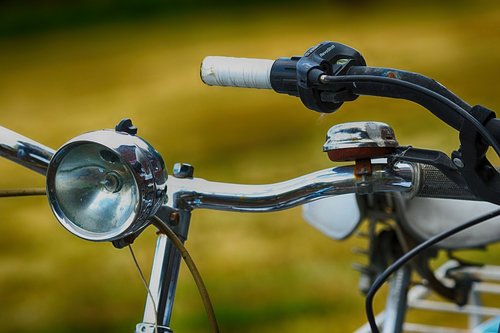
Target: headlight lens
[(104, 185)]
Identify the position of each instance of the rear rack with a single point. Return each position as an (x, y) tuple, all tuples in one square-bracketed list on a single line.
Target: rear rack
[(481, 318)]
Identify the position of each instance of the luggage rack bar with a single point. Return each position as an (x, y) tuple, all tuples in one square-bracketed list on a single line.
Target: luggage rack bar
[(482, 319)]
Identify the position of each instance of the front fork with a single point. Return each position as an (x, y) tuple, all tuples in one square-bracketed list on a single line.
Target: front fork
[(163, 280), (396, 305)]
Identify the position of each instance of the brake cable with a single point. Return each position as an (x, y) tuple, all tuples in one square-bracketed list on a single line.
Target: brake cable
[(326, 79), (164, 228), (403, 260), (477, 131)]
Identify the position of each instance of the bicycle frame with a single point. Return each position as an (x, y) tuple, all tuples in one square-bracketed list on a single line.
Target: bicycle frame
[(186, 194)]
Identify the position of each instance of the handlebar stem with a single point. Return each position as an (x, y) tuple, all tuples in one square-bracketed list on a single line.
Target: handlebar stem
[(164, 277)]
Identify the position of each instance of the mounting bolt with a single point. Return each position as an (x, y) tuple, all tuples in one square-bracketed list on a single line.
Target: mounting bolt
[(125, 125), (458, 162), (174, 219), (183, 170)]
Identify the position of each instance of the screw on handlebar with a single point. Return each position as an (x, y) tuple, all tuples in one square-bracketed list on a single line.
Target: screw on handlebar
[(183, 170)]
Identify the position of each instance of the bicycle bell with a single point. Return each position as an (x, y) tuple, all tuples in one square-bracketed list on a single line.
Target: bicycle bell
[(105, 185), (359, 141)]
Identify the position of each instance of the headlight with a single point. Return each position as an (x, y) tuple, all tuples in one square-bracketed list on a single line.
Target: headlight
[(105, 185)]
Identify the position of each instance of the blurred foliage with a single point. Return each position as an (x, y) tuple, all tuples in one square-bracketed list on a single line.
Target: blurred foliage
[(70, 68), (19, 17), (27, 17)]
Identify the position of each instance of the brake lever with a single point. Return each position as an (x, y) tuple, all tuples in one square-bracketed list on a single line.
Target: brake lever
[(481, 177)]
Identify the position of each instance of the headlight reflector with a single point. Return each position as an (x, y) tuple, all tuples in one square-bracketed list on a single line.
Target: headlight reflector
[(104, 185)]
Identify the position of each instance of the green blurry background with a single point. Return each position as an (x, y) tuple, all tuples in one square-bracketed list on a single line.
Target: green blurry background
[(70, 68)]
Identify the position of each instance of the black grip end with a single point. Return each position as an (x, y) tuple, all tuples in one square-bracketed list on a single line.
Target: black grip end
[(284, 76)]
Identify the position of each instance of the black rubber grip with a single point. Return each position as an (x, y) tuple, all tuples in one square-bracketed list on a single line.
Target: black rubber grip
[(434, 184)]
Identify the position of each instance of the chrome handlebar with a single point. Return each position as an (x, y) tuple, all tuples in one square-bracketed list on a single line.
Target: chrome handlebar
[(192, 193), (24, 151)]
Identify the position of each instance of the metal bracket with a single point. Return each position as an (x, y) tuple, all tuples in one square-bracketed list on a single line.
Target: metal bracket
[(150, 328), (481, 177), (437, 159)]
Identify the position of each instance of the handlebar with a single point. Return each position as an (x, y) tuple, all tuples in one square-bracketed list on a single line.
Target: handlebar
[(330, 73), (410, 178), (24, 151), (284, 76)]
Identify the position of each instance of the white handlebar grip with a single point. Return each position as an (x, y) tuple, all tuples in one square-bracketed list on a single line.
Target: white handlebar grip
[(237, 72)]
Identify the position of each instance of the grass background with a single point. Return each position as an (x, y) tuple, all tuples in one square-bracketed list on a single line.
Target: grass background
[(266, 272)]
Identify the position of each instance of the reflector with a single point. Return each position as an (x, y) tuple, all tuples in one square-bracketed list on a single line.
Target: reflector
[(105, 185)]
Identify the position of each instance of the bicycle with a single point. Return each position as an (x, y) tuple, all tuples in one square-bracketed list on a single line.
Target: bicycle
[(110, 185)]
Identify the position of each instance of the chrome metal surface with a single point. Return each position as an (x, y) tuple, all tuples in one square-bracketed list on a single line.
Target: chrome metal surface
[(163, 282), (395, 306), (186, 194), (164, 275), (150, 328), (104, 185), (199, 193), (360, 134), (24, 151), (483, 318)]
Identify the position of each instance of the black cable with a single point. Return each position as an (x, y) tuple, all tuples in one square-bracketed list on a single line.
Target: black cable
[(381, 279), (416, 78), (22, 192), (415, 87)]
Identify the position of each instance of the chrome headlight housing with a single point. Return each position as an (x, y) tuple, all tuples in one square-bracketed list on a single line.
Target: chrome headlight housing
[(105, 185)]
